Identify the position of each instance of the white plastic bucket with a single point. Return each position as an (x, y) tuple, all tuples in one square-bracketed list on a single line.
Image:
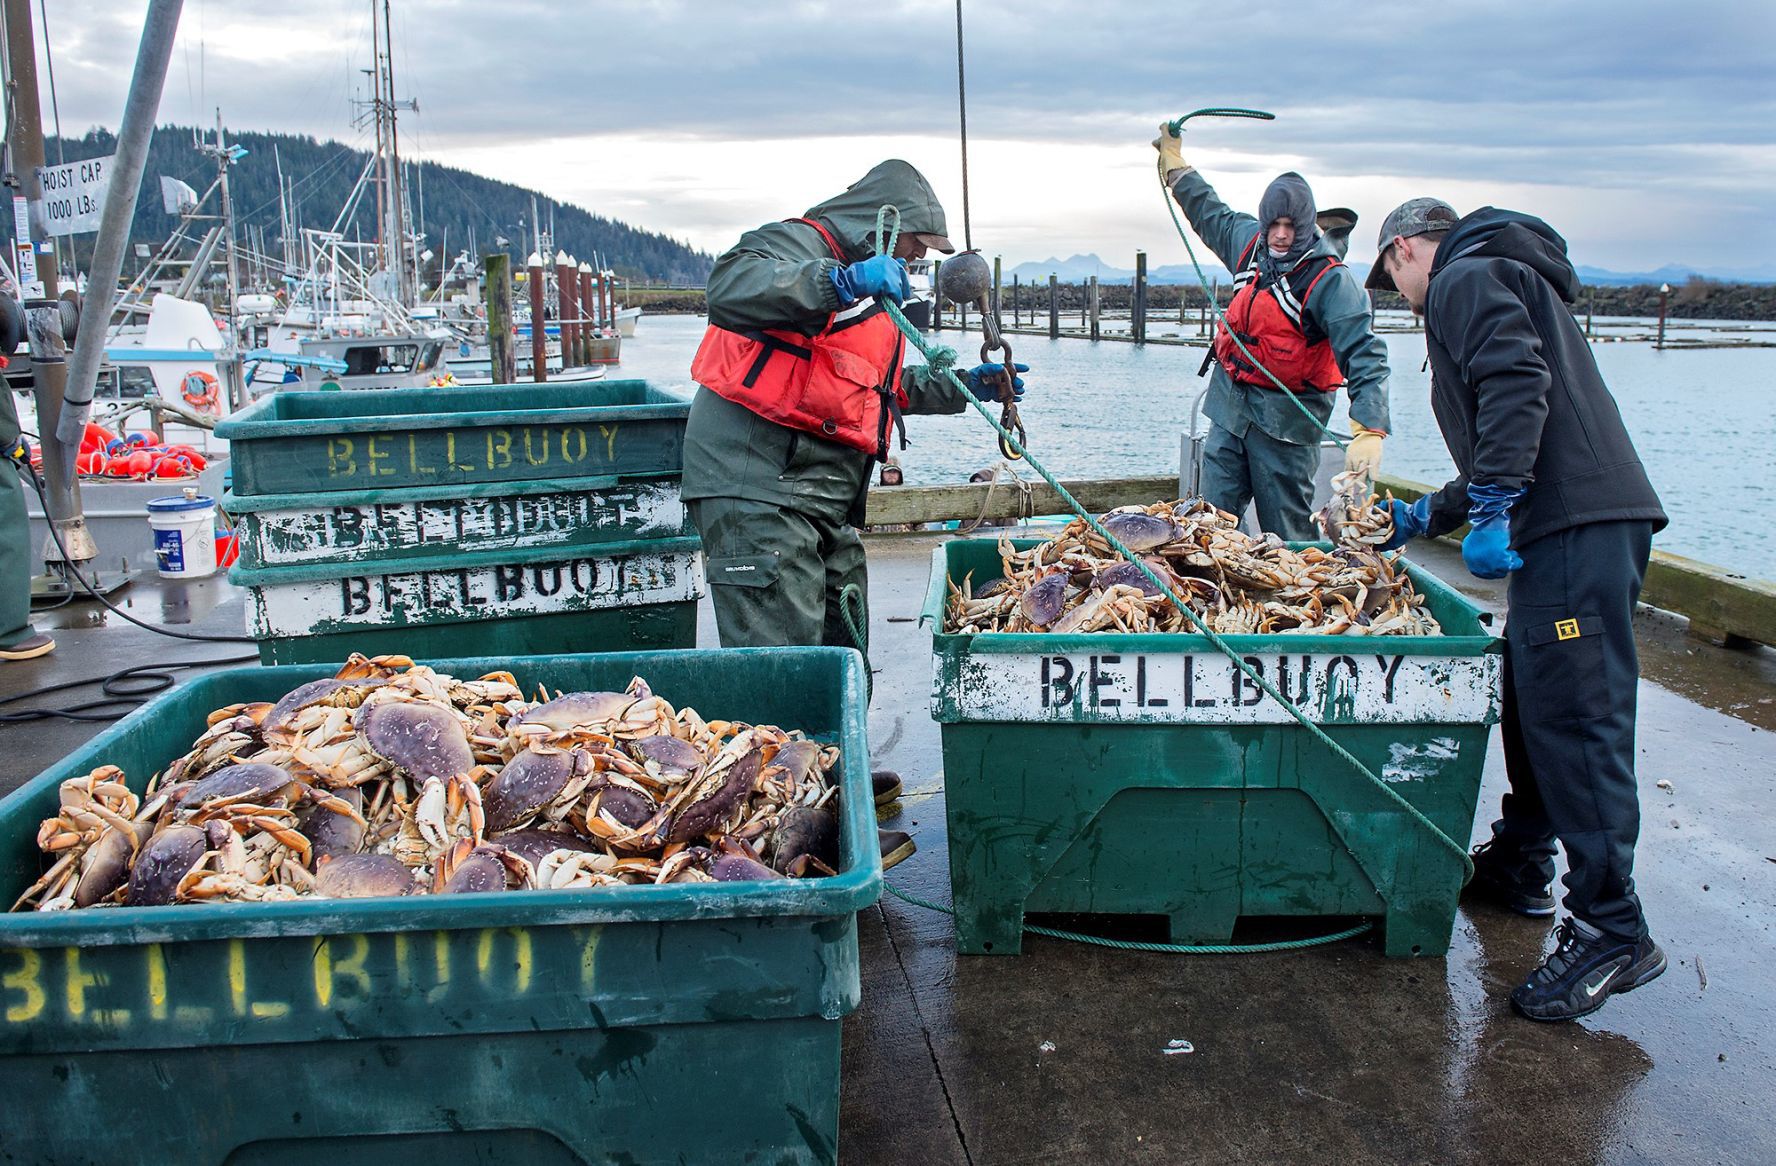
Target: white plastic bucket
[(184, 535)]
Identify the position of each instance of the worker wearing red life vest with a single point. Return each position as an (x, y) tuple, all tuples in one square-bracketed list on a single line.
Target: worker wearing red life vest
[(802, 382), (1301, 313)]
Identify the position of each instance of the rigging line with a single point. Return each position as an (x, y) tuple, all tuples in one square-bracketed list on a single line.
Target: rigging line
[(54, 107), (962, 108), (312, 176)]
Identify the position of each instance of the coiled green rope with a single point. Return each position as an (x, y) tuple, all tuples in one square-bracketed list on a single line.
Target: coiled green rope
[(1166, 948)]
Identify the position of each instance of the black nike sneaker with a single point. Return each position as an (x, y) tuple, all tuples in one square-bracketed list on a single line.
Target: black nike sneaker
[(1584, 970), (1506, 879)]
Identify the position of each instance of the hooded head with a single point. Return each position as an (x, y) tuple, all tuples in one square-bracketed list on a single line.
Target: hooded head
[(1288, 196), (852, 216)]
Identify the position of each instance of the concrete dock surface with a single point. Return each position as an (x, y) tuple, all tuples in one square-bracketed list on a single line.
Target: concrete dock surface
[(1069, 1053)]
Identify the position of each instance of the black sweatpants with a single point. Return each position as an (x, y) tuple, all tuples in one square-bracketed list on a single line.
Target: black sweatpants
[(1570, 679)]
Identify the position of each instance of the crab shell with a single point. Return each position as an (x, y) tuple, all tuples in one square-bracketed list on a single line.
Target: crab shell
[(800, 758), (535, 845), (331, 834), (735, 862), (364, 876), (630, 807), (528, 783), (805, 832), (1129, 575), (314, 692), (708, 812), (487, 868), (166, 859), (251, 781), (1140, 532), (1043, 602), (423, 740), (671, 756), (105, 867), (578, 710)]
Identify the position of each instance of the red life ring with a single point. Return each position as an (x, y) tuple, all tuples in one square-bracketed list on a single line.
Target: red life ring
[(203, 392)]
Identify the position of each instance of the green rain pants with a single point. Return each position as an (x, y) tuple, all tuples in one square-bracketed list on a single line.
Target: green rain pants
[(1277, 475), (16, 558), (776, 574)]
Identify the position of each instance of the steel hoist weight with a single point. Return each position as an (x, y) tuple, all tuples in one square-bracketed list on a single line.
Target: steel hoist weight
[(965, 281)]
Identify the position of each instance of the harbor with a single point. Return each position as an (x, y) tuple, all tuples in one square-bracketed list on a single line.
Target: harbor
[(622, 623)]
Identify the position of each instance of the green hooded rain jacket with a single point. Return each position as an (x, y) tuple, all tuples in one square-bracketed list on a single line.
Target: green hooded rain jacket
[(777, 277)]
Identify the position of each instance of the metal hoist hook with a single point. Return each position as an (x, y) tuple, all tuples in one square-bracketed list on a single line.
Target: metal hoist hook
[(965, 281)]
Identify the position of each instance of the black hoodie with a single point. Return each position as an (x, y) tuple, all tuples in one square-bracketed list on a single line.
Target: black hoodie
[(1515, 388)]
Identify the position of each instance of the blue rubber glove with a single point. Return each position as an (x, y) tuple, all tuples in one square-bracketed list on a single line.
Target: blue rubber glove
[(1411, 519), (988, 390), (1487, 549), (879, 275)]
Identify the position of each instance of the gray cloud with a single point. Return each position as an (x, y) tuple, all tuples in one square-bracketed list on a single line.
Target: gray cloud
[(1636, 95)]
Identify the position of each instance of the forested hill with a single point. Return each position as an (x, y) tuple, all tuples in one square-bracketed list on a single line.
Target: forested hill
[(456, 202)]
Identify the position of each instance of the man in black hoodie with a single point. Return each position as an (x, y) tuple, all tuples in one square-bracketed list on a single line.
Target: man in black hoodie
[(1556, 499)]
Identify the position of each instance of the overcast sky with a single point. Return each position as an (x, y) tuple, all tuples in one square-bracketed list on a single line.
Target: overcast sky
[(1644, 130)]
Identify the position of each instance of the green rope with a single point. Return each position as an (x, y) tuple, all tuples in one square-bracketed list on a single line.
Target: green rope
[(855, 613), (1168, 948), (918, 341)]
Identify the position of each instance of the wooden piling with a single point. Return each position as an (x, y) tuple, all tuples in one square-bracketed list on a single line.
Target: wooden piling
[(1054, 307), (1017, 304), (567, 283), (1093, 306), (587, 311), (498, 297), (937, 296), (539, 351), (1138, 315), (998, 286)]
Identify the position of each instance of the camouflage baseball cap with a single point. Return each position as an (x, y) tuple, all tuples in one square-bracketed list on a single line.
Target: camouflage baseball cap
[(1416, 216)]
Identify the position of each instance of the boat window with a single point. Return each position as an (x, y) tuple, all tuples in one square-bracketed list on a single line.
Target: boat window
[(429, 358), (134, 382), (374, 360)]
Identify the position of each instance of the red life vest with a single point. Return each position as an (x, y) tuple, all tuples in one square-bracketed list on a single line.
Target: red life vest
[(1268, 322), (843, 383)]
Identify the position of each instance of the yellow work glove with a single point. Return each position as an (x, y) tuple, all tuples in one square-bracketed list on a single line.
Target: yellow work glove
[(1363, 454), (1171, 153)]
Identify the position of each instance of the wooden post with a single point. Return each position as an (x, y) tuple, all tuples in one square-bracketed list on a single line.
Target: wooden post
[(589, 326), (1054, 307), (1084, 305), (567, 283), (539, 351), (998, 286), (498, 292), (1664, 294), (1092, 306), (1181, 290), (1017, 305), (937, 296), (1138, 321)]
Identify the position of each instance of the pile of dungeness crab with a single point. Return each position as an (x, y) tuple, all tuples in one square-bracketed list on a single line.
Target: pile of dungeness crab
[(393, 779), (1235, 583)]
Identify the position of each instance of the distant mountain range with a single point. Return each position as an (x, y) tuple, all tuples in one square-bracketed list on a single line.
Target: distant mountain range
[(1076, 268), (458, 206)]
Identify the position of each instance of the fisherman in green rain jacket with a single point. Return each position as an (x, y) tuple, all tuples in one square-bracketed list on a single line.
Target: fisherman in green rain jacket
[(802, 384)]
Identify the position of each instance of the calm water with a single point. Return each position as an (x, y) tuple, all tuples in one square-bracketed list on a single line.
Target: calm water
[(1702, 421)]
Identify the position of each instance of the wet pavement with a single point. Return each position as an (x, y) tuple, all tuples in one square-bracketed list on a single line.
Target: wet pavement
[(1331, 1054)]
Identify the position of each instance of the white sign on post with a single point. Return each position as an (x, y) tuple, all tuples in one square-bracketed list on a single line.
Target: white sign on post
[(74, 195), (23, 254)]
